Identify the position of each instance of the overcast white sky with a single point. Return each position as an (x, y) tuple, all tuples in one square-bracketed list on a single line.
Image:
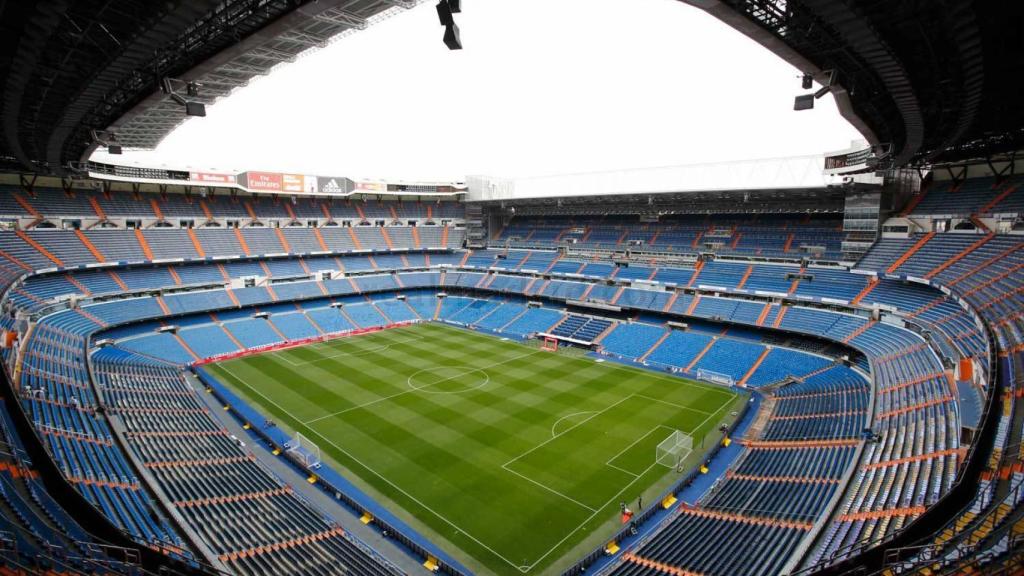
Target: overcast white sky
[(542, 87)]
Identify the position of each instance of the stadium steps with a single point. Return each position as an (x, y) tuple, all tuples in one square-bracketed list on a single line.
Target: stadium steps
[(290, 211), (74, 281), (416, 237), (764, 313), (143, 244), (251, 211), (231, 337), (879, 514), (862, 329), (320, 238), (780, 316), (912, 382), (186, 347), (659, 567), (693, 305), (746, 276), (90, 246), (668, 305), (642, 358), (789, 242), (779, 444), (553, 262), (373, 262), (196, 243), (618, 294), (915, 407), (872, 282), (206, 210), (284, 241), (387, 237), (359, 210), (745, 518), (696, 273), (234, 299), (754, 367), (39, 247), (117, 280), (156, 210), (796, 282), (961, 452), (910, 252), (516, 317), (786, 479), (696, 359), (163, 306), (987, 208), (28, 208), (444, 236), (938, 269)]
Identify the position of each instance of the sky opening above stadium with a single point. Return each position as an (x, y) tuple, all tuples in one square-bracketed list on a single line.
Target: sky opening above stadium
[(542, 87)]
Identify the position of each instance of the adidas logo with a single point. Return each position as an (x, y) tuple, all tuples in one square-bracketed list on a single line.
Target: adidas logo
[(332, 186)]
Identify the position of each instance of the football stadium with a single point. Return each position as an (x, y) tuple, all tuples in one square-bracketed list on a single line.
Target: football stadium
[(802, 365)]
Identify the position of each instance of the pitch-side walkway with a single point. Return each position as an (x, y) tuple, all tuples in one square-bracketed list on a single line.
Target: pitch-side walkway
[(317, 497)]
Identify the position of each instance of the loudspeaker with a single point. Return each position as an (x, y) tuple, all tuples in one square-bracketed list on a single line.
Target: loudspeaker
[(451, 37), (444, 13), (456, 6), (805, 102), (806, 83), (114, 149)]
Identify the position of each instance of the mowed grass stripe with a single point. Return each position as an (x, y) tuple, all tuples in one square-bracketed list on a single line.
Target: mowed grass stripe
[(442, 456)]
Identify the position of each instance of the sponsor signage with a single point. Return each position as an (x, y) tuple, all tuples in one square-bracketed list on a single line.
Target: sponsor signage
[(371, 187), (211, 178), (264, 181), (856, 159), (333, 185), (294, 182)]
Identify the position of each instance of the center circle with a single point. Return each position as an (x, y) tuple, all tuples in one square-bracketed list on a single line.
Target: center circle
[(448, 379)]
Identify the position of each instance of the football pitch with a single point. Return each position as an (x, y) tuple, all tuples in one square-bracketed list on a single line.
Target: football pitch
[(513, 456)]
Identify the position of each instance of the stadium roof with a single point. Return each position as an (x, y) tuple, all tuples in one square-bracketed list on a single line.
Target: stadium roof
[(935, 79), (938, 80), (72, 67)]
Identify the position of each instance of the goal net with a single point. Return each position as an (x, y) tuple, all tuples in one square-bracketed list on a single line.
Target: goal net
[(550, 344), (672, 451), (305, 450), (716, 377)]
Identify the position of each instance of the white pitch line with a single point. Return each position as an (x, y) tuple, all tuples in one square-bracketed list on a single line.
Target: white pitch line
[(553, 426), (634, 443), (548, 488), (404, 392), (377, 474), (673, 404)]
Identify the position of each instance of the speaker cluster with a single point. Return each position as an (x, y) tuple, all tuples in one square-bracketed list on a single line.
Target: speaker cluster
[(445, 13)]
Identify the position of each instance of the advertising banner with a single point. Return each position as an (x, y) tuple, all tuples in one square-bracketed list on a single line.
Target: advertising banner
[(333, 185), (264, 181), (211, 178), (293, 183), (371, 187)]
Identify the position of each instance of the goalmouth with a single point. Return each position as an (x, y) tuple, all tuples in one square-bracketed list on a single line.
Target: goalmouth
[(674, 450), (304, 450)]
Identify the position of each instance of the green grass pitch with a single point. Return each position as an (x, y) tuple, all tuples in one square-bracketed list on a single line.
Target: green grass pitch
[(515, 457)]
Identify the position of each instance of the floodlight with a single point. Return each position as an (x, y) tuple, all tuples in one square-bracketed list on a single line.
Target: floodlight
[(451, 37), (444, 13)]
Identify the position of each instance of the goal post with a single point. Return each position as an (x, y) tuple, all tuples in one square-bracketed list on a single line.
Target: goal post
[(672, 451), (304, 450), (550, 344)]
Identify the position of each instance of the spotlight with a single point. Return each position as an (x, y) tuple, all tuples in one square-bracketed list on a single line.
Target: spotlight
[(444, 13), (195, 109), (804, 102), (807, 82), (451, 37)]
